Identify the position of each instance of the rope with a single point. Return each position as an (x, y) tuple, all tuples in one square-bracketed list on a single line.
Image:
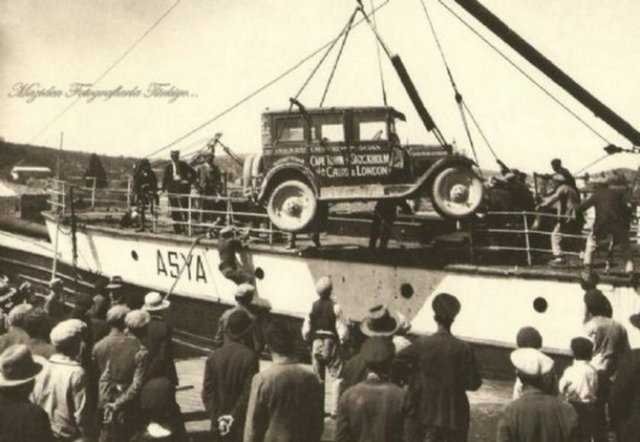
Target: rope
[(593, 163), (186, 261), (380, 72), (458, 96), (480, 131), (107, 71), (526, 75), (335, 64), (258, 90)]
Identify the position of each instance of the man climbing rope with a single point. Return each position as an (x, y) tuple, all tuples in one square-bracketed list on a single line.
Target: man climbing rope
[(228, 247)]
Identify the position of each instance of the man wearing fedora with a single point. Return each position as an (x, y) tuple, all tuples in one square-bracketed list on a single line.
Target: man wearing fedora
[(536, 416), (373, 410), (227, 379), (20, 419), (379, 324), (245, 296), (441, 370), (61, 390), (624, 400), (115, 291), (177, 180), (159, 342)]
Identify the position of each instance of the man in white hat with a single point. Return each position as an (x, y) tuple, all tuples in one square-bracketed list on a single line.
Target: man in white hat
[(20, 419), (61, 389), (159, 342), (536, 416)]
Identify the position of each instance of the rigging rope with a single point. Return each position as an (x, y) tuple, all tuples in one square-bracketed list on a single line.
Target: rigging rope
[(525, 74), (335, 64), (454, 86), (591, 164), (380, 72), (107, 71), (260, 89)]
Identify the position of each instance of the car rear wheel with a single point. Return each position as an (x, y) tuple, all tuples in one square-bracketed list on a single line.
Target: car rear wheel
[(292, 206), (456, 192)]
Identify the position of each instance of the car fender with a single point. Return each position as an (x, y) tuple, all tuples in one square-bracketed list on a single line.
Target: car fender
[(452, 160), (281, 168)]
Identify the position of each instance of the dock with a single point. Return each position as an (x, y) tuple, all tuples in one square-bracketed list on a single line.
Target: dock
[(486, 404)]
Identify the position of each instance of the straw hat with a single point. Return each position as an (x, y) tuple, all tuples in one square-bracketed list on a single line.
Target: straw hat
[(531, 362), (17, 366), (154, 301), (115, 283), (380, 322)]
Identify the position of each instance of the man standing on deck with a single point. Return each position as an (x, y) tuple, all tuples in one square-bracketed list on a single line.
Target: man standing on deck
[(558, 168), (177, 180), (209, 179), (442, 369), (564, 199), (612, 219), (384, 215)]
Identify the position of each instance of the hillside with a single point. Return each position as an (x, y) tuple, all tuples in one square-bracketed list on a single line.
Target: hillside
[(73, 163)]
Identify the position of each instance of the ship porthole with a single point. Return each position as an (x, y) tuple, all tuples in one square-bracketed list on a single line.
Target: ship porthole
[(406, 290), (259, 273), (134, 255), (540, 304)]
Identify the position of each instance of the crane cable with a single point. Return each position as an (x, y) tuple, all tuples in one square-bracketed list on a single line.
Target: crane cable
[(380, 72), (112, 66), (458, 96), (260, 89), (525, 74), (335, 64)]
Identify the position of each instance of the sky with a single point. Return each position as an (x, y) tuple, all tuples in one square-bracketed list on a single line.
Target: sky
[(218, 51)]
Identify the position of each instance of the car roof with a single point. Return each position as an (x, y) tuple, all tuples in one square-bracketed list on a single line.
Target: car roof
[(340, 109)]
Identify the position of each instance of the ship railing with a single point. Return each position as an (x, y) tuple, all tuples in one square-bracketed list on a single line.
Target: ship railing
[(516, 231)]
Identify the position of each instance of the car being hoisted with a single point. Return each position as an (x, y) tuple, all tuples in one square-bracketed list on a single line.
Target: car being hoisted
[(337, 154)]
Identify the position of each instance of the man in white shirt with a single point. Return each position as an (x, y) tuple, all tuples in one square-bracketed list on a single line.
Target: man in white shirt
[(579, 386)]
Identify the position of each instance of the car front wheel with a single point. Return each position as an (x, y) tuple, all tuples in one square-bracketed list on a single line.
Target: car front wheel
[(456, 192), (292, 206)]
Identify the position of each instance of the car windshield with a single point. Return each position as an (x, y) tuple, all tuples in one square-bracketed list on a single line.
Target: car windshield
[(290, 129), (373, 130)]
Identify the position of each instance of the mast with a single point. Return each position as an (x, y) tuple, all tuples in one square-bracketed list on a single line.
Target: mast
[(552, 71)]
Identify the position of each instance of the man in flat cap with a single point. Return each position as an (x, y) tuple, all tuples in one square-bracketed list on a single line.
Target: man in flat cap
[(227, 379), (372, 410), (20, 419), (61, 390), (245, 296), (177, 180), (442, 369), (536, 416)]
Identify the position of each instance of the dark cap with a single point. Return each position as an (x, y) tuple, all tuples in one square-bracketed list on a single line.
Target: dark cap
[(529, 337), (446, 306)]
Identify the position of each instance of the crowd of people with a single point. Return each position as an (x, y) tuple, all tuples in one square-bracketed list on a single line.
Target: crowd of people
[(96, 371), (102, 371)]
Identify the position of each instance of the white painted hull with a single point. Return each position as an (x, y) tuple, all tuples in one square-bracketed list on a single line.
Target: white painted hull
[(494, 307)]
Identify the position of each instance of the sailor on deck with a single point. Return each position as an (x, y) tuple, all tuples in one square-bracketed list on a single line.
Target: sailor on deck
[(558, 168), (209, 179), (177, 179)]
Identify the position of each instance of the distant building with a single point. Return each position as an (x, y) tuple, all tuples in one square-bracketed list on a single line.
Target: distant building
[(21, 174)]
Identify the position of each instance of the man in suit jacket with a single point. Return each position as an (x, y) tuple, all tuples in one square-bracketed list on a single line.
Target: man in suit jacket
[(159, 343), (372, 410), (177, 179), (285, 403), (624, 399), (442, 368), (227, 379)]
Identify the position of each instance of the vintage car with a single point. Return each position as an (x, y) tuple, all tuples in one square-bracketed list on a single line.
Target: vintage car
[(311, 157)]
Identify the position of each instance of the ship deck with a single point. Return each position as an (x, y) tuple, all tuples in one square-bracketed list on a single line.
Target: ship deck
[(417, 241)]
